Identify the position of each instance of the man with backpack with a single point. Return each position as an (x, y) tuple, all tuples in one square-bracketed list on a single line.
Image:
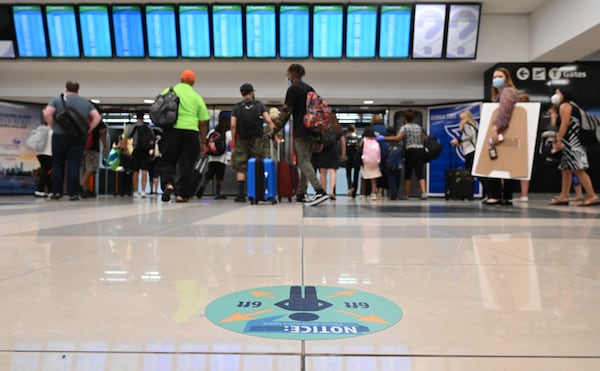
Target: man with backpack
[(304, 140), (143, 143), (247, 119), (182, 141)]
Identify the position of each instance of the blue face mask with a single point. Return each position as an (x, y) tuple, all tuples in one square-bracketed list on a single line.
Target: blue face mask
[(498, 82)]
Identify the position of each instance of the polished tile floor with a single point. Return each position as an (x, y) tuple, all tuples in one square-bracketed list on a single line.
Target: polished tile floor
[(122, 284)]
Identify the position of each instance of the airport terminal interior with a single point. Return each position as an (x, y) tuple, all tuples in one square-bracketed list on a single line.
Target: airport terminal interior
[(117, 283)]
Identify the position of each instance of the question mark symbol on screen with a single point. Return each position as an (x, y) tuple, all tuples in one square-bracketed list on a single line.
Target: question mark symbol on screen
[(434, 22), (468, 21)]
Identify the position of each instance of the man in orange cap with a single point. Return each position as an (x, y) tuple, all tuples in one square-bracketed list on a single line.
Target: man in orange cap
[(182, 143)]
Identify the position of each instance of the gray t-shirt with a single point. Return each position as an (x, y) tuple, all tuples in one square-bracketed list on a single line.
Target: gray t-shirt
[(412, 136), (74, 101)]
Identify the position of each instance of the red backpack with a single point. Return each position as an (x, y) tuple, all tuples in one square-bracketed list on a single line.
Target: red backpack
[(316, 118)]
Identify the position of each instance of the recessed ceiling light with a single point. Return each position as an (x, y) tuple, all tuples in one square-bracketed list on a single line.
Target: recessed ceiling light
[(149, 101), (368, 102), (95, 101)]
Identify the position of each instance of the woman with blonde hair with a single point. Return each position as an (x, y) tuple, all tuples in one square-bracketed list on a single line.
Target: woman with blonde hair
[(468, 137)]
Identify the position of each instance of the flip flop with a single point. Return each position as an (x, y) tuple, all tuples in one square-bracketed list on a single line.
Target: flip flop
[(558, 202), (590, 202)]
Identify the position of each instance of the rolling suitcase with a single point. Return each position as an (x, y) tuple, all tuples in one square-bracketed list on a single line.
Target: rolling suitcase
[(262, 180), (458, 182), (287, 180), (200, 168)]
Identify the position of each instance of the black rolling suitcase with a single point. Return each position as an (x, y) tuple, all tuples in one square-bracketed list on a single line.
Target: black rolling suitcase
[(459, 182)]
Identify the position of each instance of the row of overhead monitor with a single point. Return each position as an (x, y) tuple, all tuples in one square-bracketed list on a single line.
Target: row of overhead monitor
[(366, 31)]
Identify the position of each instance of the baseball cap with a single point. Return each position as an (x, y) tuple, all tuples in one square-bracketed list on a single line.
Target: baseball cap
[(188, 76), (246, 88)]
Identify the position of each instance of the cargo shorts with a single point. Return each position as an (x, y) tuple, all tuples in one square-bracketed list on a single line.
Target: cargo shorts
[(245, 149)]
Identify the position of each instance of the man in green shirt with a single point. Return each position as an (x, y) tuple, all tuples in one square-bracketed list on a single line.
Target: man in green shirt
[(182, 142)]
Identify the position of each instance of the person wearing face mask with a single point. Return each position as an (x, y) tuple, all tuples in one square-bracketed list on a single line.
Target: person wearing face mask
[(504, 92), (574, 157)]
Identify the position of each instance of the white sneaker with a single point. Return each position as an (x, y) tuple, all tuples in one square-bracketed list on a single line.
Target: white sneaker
[(137, 195), (423, 196), (40, 194), (521, 199), (143, 194), (373, 197)]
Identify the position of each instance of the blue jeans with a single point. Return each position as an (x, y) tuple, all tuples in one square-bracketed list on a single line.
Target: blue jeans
[(393, 177), (67, 152), (304, 149)]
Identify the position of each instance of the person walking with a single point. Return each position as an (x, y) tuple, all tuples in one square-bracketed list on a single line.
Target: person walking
[(574, 158), (247, 118), (333, 152), (183, 142), (143, 144), (44, 156), (304, 140), (217, 162), (91, 158), (67, 150), (352, 164)]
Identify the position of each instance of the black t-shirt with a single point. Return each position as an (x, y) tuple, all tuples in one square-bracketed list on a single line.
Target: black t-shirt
[(295, 98)]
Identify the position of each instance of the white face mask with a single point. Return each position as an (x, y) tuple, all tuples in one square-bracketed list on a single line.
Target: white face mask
[(555, 99)]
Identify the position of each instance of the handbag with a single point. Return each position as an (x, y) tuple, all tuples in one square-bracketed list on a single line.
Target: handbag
[(74, 124), (433, 147)]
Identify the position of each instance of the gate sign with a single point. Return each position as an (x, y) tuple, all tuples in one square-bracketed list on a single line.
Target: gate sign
[(303, 312)]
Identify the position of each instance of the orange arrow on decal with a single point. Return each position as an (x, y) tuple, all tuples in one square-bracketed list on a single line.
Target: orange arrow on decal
[(262, 293), (244, 317), (369, 318), (342, 293)]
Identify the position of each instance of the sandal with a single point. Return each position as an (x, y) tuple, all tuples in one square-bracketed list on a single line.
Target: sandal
[(559, 202), (592, 202)]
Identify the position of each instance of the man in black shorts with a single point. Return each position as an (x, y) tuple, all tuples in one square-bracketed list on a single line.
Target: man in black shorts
[(143, 143)]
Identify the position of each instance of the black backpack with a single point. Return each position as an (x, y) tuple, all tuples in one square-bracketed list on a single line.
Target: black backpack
[(249, 119), (216, 143), (144, 137), (328, 137), (164, 110)]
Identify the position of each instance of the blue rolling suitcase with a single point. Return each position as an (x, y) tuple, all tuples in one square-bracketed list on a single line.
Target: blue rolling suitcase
[(262, 180)]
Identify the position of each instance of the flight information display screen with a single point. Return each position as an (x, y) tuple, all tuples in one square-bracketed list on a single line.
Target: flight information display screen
[(7, 33), (194, 31), (227, 31), (361, 31), (328, 26), (128, 31), (428, 32), (463, 31), (95, 31), (260, 31), (394, 31), (62, 31), (161, 31), (294, 31), (29, 28)]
